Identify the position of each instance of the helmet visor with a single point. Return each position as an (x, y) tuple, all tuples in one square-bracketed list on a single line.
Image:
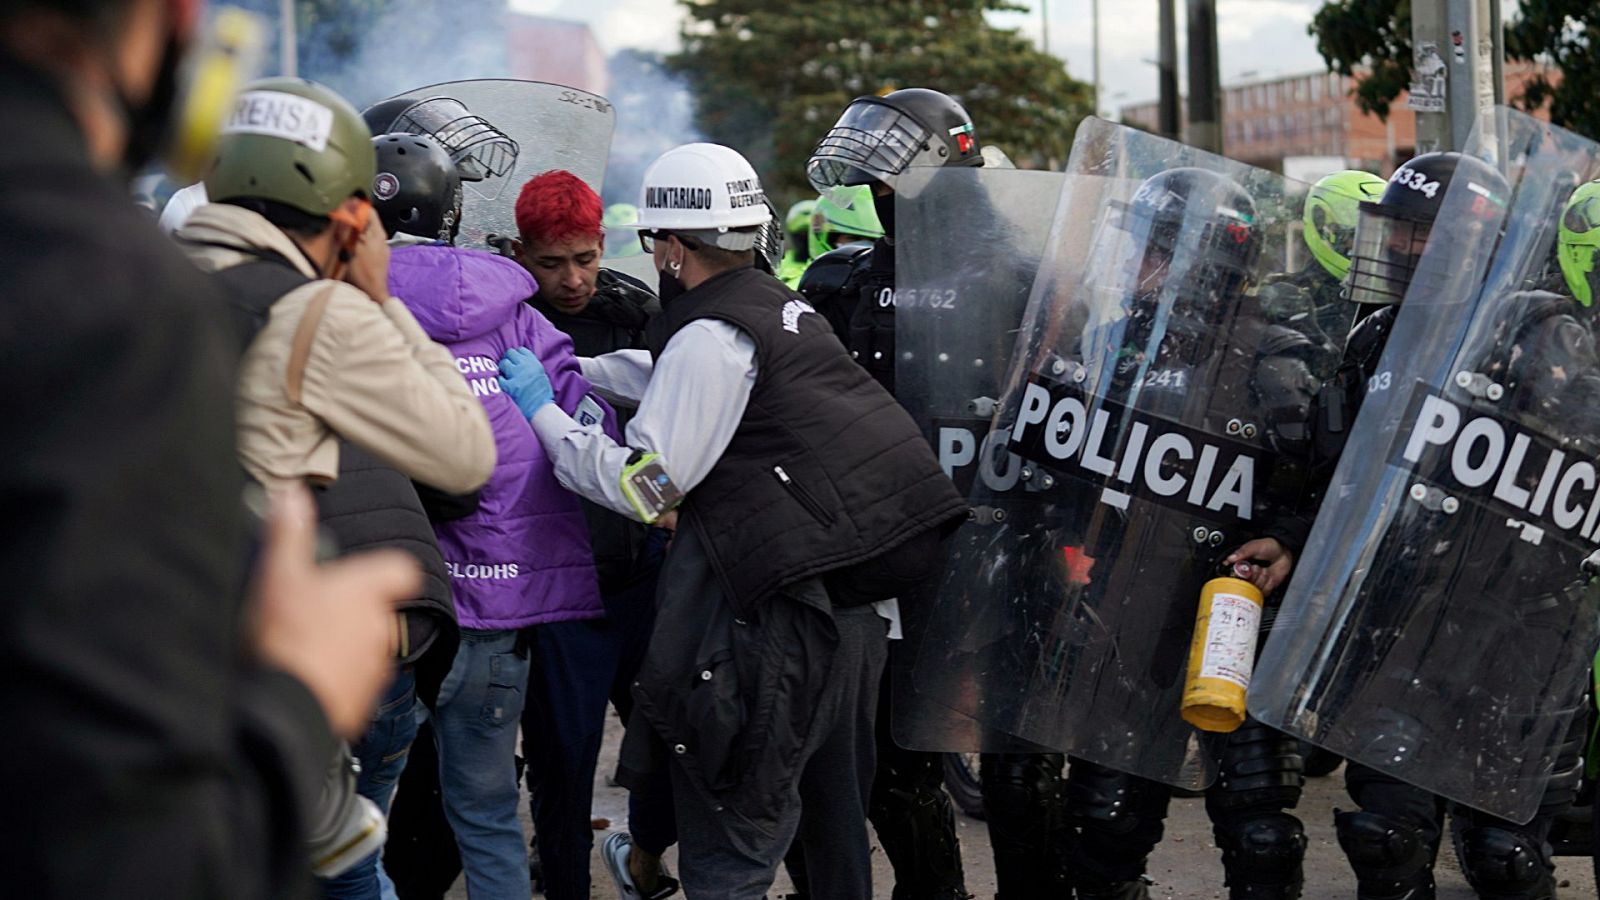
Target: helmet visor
[(1387, 248), (1123, 264), (872, 141), (484, 155)]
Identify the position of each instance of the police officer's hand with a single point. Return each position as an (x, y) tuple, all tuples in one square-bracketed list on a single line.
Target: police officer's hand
[(524, 380), (1270, 563), (369, 261), (331, 626)]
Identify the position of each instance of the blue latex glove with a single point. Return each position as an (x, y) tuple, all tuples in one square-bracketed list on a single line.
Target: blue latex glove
[(525, 381)]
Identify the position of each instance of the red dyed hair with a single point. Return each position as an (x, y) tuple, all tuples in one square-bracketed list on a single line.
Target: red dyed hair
[(557, 206)]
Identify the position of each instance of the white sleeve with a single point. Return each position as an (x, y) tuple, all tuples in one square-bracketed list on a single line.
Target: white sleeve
[(690, 408), (621, 373)]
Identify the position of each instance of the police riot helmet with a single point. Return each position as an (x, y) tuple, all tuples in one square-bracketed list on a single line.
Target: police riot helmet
[(1578, 243), (845, 214), (1392, 232), (293, 144), (877, 138), (416, 190), (481, 152), (706, 192), (1329, 219), (1194, 217), (797, 225)]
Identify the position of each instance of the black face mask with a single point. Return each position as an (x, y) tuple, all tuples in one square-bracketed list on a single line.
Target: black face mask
[(669, 287), (884, 205), (149, 122)]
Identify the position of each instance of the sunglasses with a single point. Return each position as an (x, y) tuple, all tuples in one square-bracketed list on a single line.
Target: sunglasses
[(647, 239)]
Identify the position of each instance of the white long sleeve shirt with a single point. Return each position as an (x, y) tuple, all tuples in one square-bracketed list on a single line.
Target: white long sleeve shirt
[(690, 403)]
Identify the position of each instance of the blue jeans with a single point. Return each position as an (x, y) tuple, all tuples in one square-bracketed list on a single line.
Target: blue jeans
[(475, 725), (382, 753)]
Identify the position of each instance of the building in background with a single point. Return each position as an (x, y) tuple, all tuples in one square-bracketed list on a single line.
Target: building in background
[(1307, 125), (558, 51)]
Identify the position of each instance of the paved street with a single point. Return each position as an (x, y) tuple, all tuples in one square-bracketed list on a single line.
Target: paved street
[(1185, 867)]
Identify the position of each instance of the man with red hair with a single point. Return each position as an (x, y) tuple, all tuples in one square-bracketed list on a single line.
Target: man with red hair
[(562, 241)]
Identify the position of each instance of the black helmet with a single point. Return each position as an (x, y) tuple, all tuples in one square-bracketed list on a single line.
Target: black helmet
[(1392, 232), (877, 138), (480, 151), (1197, 218), (380, 116), (416, 190)]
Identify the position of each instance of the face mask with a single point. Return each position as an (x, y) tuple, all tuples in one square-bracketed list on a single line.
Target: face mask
[(884, 205), (192, 94), (669, 288), (147, 121)]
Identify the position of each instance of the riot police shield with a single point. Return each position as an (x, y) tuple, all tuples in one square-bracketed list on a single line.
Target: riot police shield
[(972, 240), (1440, 620), (1153, 412), (512, 130)]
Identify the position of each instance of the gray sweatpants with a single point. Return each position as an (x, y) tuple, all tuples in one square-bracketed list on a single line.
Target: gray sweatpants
[(826, 810)]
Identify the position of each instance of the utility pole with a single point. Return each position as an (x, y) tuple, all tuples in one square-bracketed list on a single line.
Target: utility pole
[(1094, 24), (1205, 80), (1457, 71), (1168, 122), (288, 53), (1044, 25)]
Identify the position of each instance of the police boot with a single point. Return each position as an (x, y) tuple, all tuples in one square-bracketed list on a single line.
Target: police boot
[(1022, 804), (1503, 865), (1138, 889), (1390, 860), (916, 826)]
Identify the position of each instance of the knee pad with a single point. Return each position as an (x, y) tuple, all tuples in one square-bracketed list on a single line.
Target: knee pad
[(1109, 801), (1503, 865), (1390, 859), (1264, 851)]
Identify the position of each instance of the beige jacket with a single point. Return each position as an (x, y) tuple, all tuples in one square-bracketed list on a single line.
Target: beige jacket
[(330, 362)]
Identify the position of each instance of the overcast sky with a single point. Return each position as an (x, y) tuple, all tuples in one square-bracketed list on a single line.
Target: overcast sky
[(1258, 38)]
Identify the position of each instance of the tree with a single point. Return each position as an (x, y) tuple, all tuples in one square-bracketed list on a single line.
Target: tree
[(1376, 35), (1369, 34), (1567, 33), (770, 79)]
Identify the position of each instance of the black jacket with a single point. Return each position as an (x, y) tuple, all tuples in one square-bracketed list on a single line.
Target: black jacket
[(372, 506), (825, 469), (861, 307), (615, 319), (146, 754)]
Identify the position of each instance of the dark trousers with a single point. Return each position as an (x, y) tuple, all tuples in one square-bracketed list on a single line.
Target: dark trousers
[(825, 811), (577, 668)]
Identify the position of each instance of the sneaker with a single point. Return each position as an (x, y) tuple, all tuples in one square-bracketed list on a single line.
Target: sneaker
[(615, 852)]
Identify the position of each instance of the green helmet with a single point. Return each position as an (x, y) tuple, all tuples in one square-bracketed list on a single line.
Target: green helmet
[(1332, 207), (859, 219), (293, 142), (620, 215), (622, 237), (798, 219), (797, 226), (1578, 243)]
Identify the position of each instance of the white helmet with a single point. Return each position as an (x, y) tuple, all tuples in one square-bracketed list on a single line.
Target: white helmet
[(705, 191), (181, 206)]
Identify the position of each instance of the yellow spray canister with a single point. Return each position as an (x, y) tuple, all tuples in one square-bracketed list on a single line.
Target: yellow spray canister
[(1222, 654)]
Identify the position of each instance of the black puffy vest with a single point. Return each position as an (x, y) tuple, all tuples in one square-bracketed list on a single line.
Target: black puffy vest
[(825, 470), (370, 505)]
